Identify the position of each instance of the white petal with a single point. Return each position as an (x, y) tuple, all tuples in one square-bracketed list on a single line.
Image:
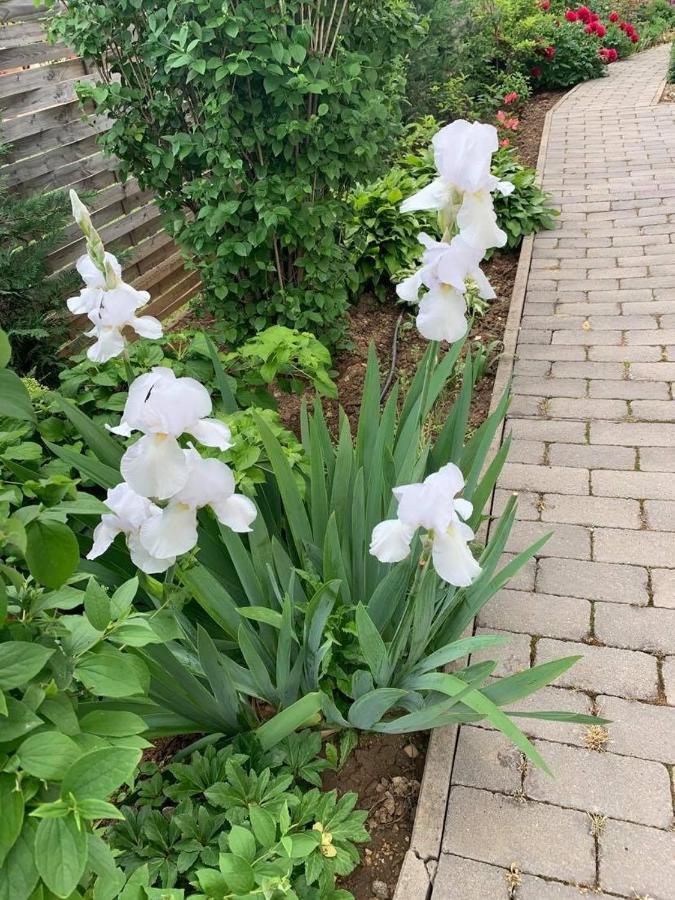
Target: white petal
[(209, 481), (456, 262), (452, 557), (110, 343), (442, 315), (211, 433), (147, 327), (129, 508), (505, 188), (409, 289), (175, 407), (485, 289), (91, 275), (145, 561), (133, 418), (80, 211), (104, 534), (463, 508), (237, 512), (172, 533), (390, 541), (477, 221), (433, 196), (463, 154), (155, 466), (88, 300)]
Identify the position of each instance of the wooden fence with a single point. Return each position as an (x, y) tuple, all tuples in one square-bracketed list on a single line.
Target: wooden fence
[(52, 144)]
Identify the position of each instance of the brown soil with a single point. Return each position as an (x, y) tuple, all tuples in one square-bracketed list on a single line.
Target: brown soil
[(385, 771), (668, 95)]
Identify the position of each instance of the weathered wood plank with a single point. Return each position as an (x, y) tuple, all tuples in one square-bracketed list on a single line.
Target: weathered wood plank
[(32, 54), (21, 34), (32, 124), (33, 167), (25, 80), (49, 139), (179, 293), (43, 97), (66, 176), (18, 10)]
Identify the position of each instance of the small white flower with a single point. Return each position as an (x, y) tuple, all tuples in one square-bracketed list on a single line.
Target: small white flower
[(462, 192), (129, 513), (116, 311), (164, 407), (434, 506), (209, 483), (444, 271)]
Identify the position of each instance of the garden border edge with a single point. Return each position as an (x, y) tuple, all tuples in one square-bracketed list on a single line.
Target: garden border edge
[(416, 878)]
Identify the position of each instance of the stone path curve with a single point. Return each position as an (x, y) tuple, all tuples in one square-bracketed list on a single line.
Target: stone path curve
[(593, 458)]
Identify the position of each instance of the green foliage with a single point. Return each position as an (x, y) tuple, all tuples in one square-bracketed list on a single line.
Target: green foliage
[(528, 209), (671, 67), (240, 817), (576, 56), (30, 228), (64, 750), (259, 208), (654, 20)]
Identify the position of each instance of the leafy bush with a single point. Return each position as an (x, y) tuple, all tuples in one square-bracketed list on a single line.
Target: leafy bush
[(30, 228), (566, 56), (240, 818), (528, 209), (654, 19), (671, 67), (258, 208)]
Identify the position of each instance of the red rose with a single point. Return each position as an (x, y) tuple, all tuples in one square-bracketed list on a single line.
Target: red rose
[(535, 72), (584, 13), (545, 5), (589, 29), (571, 16), (634, 38), (613, 55), (549, 52), (600, 29), (614, 17)]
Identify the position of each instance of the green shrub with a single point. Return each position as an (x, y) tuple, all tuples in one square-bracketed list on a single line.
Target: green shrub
[(249, 124), (528, 209), (30, 304), (244, 801), (575, 56), (671, 67)]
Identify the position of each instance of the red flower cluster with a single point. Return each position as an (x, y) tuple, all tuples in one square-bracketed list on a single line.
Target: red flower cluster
[(510, 98), (593, 25), (511, 123), (608, 54), (630, 31), (545, 5)]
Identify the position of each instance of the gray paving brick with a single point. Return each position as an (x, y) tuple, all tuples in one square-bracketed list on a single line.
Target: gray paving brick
[(630, 390), (621, 787), (663, 587), (528, 452), (645, 730), (568, 541), (513, 831), (487, 759), (660, 514), (613, 583), (465, 879), (603, 670), (532, 888), (553, 479), (649, 548), (530, 613), (569, 432), (596, 511), (511, 657), (633, 434), (636, 485), (552, 698), (635, 627), (523, 580), (637, 861), (591, 456), (657, 459), (561, 408), (624, 353), (668, 671)]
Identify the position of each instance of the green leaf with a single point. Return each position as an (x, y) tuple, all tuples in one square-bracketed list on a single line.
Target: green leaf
[(522, 684), (11, 819), (263, 825), (261, 614), (238, 873), (20, 662), (48, 755), (123, 597), (98, 773), (288, 720), (19, 721), (104, 447), (19, 874), (15, 401), (242, 842), (61, 854), (98, 809), (52, 552), (226, 393), (111, 673), (5, 349), (372, 646), (112, 723), (97, 605), (370, 707)]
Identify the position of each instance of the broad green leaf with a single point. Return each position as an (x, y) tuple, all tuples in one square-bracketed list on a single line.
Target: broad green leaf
[(97, 605), (61, 853), (123, 597), (19, 721), (98, 773), (52, 552), (369, 708), (242, 842), (105, 448), (226, 393), (48, 755), (457, 650), (263, 825), (299, 714), (21, 661), (261, 614), (11, 817), (15, 402), (101, 474), (522, 684), (372, 646), (5, 349), (19, 874), (111, 673), (238, 873), (112, 723)]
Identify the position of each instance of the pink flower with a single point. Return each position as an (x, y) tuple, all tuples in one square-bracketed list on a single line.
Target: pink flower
[(614, 17), (600, 29), (501, 115), (584, 13), (509, 98), (505, 142), (571, 16), (589, 29)]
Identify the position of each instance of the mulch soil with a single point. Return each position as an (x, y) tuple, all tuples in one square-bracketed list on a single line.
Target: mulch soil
[(386, 771)]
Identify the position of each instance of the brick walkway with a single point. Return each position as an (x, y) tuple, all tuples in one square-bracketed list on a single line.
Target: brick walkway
[(593, 458)]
